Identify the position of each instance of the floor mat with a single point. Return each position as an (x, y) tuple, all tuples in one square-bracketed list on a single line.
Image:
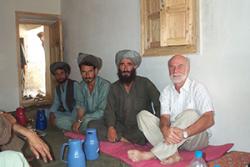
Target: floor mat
[(119, 150)]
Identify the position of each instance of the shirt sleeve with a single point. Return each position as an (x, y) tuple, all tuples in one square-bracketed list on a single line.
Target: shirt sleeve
[(79, 99), (203, 100), (56, 103), (165, 102), (109, 113)]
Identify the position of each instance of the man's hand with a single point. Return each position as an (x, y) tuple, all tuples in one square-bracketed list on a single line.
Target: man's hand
[(9, 117), (112, 135), (75, 126), (52, 119), (80, 115), (38, 146), (172, 135)]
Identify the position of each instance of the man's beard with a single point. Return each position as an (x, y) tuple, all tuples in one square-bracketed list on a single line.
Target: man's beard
[(89, 79), (62, 81), (126, 77), (178, 78)]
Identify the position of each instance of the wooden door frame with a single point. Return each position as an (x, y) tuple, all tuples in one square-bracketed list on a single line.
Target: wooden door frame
[(47, 20)]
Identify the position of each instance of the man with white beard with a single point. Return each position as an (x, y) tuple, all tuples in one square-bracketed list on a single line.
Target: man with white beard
[(186, 113)]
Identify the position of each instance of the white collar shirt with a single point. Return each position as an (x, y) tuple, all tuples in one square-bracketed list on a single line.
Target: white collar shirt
[(193, 95)]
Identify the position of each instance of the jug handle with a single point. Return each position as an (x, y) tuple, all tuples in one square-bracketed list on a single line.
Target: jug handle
[(62, 151)]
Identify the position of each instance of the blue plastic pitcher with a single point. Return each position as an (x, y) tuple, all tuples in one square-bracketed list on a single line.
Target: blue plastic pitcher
[(75, 155), (91, 144), (41, 120)]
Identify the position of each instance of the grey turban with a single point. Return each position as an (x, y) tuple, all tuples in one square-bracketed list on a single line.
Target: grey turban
[(59, 65), (96, 61), (129, 54)]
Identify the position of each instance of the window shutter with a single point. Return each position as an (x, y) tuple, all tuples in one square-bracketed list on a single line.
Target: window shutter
[(177, 23), (168, 26)]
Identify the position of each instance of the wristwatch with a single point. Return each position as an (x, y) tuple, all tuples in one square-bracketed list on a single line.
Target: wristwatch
[(185, 134), (80, 121)]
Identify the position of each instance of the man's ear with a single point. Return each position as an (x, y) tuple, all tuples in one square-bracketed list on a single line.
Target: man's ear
[(96, 71), (67, 74)]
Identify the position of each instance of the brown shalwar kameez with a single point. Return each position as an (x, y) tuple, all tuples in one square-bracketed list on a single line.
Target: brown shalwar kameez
[(122, 107)]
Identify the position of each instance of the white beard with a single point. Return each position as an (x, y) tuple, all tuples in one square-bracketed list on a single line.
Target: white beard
[(178, 78)]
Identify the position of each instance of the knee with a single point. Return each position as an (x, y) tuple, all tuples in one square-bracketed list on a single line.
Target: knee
[(100, 128), (142, 115), (64, 124), (91, 124), (191, 113), (188, 115), (95, 123)]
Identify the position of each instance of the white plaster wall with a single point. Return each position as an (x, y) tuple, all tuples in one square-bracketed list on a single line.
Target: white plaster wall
[(100, 28), (222, 64), (9, 97)]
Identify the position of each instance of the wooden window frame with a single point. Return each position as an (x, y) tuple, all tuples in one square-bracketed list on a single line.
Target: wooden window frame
[(155, 48)]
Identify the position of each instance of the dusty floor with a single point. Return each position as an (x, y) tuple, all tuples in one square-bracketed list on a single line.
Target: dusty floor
[(55, 138)]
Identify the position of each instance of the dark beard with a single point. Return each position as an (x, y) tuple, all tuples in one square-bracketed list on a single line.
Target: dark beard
[(126, 79), (63, 81)]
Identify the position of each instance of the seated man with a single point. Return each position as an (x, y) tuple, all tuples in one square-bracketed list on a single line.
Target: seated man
[(94, 89), (127, 97), (9, 141), (186, 113), (67, 108)]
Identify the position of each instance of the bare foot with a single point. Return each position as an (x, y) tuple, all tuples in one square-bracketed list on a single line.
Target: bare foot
[(136, 155), (172, 159), (124, 140)]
